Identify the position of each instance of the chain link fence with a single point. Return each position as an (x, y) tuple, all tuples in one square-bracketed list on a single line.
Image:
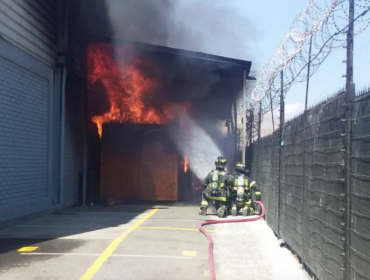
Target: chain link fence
[(302, 175)]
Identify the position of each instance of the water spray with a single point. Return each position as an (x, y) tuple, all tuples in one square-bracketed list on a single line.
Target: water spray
[(196, 146)]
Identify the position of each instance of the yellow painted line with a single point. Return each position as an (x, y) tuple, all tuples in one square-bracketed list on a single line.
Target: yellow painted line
[(190, 253), (101, 228), (69, 226), (89, 274), (28, 249), (174, 228)]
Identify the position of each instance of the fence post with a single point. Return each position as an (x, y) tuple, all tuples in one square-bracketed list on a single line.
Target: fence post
[(259, 139), (282, 114), (349, 96), (304, 235)]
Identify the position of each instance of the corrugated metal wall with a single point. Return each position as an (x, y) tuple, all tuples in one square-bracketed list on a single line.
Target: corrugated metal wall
[(73, 147), (26, 87), (28, 40), (31, 26)]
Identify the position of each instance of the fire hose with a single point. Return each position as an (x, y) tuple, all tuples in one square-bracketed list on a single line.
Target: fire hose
[(210, 239)]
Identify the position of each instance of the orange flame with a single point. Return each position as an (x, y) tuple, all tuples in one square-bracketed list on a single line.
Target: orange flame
[(186, 162), (126, 87)]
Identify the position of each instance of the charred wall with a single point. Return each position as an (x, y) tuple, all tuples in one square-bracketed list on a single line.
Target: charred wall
[(138, 162)]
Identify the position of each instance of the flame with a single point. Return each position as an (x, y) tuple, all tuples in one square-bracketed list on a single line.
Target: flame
[(126, 86), (186, 162)]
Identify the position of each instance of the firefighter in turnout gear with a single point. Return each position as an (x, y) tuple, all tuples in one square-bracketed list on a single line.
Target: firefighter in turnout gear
[(243, 189), (216, 188)]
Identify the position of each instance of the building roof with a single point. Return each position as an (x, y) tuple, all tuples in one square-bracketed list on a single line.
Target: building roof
[(179, 52)]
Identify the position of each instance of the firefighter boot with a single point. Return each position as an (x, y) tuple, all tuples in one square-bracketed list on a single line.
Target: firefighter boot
[(214, 208), (245, 211), (222, 212), (203, 208), (248, 211), (234, 210)]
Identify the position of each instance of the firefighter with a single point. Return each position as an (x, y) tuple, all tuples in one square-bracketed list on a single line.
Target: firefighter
[(216, 188), (242, 190)]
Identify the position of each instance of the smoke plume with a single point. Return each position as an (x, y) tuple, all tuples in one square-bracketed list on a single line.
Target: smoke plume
[(199, 25)]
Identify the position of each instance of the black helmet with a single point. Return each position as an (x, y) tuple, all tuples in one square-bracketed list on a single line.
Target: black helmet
[(240, 167), (220, 162)]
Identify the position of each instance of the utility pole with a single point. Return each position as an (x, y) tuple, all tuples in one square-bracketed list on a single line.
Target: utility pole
[(244, 115), (308, 73), (350, 94)]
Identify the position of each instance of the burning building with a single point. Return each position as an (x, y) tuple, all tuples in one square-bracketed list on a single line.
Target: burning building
[(142, 100), (87, 117)]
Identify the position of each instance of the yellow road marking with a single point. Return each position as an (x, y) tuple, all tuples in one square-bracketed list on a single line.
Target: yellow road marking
[(174, 228), (190, 253), (113, 246), (28, 249), (154, 228)]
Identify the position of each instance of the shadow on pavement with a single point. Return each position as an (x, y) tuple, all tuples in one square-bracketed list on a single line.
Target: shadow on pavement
[(68, 229)]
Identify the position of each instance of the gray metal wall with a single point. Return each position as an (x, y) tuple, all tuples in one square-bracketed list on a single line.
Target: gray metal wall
[(308, 210), (26, 94), (31, 26), (73, 144), (32, 178)]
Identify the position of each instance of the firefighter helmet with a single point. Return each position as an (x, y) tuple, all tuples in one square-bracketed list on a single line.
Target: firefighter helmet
[(220, 162), (240, 167)]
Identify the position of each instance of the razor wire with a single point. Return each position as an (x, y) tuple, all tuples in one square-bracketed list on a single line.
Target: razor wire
[(325, 22)]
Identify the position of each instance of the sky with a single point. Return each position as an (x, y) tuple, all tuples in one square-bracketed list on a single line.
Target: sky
[(273, 21), (265, 25)]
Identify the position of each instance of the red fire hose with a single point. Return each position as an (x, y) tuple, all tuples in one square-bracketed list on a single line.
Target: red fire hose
[(210, 240)]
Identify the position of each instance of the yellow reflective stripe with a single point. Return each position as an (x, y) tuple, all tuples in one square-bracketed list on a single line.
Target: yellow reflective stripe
[(204, 203), (245, 182), (218, 198), (235, 188), (222, 185), (252, 184), (257, 193)]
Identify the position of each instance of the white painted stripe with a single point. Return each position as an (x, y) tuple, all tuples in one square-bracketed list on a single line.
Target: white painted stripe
[(150, 256), (113, 255)]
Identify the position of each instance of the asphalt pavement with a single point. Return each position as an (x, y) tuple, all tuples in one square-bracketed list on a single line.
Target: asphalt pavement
[(138, 242)]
